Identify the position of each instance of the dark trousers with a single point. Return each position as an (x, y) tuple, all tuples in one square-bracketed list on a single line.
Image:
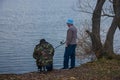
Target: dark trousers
[(69, 54), (49, 67), (46, 68)]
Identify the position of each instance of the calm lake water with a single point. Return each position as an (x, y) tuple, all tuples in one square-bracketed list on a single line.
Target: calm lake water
[(23, 23)]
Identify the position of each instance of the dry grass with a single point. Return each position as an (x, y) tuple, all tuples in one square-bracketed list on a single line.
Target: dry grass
[(98, 70)]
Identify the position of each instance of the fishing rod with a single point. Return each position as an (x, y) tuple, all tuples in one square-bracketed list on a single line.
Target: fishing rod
[(61, 43)]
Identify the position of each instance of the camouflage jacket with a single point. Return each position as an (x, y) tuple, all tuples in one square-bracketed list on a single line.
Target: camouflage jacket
[(43, 53)]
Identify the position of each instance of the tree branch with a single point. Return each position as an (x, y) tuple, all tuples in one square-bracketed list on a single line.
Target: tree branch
[(108, 15)]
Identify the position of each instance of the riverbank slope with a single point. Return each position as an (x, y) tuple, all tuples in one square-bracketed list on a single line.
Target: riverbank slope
[(98, 70)]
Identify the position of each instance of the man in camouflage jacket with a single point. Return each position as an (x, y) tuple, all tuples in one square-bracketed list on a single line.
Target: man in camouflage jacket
[(43, 53)]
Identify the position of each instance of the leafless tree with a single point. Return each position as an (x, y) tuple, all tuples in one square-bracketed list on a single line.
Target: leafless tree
[(98, 11)]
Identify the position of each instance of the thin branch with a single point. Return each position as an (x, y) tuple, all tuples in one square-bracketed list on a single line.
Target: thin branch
[(85, 11), (90, 7), (108, 15), (104, 14)]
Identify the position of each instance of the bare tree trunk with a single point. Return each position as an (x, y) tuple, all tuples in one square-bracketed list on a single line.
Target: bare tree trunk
[(116, 7), (95, 35), (105, 49), (108, 46)]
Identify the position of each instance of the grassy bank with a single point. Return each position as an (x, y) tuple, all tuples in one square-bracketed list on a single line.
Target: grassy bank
[(99, 70)]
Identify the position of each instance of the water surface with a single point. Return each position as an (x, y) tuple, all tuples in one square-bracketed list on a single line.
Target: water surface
[(23, 23)]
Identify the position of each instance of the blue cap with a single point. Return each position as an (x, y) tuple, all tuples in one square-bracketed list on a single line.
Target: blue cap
[(69, 21)]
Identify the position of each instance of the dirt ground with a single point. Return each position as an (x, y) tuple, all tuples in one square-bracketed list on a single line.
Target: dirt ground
[(97, 70)]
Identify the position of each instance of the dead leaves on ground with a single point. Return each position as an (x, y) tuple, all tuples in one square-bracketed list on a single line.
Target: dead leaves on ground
[(98, 70)]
